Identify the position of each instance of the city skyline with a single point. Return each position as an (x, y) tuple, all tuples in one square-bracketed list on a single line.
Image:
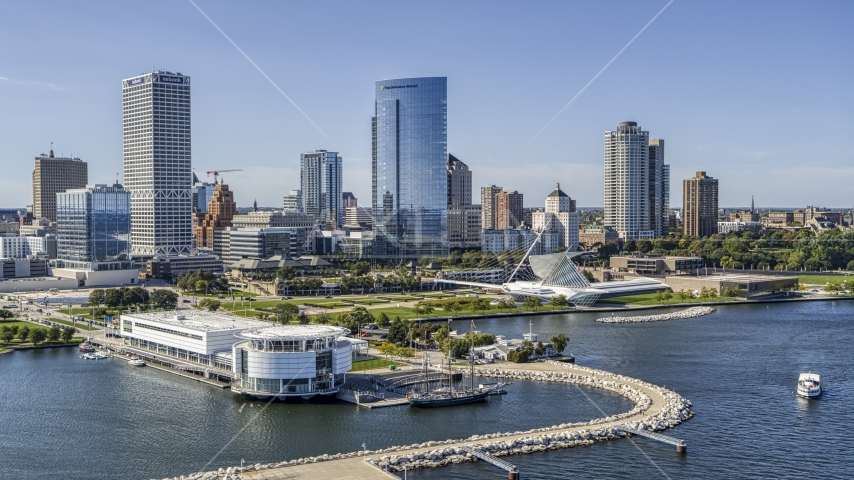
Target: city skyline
[(707, 97)]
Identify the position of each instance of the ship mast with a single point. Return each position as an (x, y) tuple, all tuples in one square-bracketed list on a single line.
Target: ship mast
[(471, 357)]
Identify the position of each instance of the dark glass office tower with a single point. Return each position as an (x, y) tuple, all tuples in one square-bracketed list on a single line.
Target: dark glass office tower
[(93, 224), (410, 151)]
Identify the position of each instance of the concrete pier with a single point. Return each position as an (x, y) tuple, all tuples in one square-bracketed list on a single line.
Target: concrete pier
[(655, 408)]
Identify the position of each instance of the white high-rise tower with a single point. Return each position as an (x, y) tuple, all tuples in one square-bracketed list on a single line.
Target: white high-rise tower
[(157, 170), (636, 183)]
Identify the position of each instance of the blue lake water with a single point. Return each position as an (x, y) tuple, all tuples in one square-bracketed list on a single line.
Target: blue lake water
[(68, 418)]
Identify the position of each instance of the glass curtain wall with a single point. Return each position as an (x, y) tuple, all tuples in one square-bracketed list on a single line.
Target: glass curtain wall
[(410, 186), (93, 225)]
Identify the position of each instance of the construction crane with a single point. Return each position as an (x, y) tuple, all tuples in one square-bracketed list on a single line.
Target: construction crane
[(217, 172)]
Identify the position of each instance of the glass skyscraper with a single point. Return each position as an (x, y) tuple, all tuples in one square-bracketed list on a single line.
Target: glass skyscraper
[(93, 224), (410, 156)]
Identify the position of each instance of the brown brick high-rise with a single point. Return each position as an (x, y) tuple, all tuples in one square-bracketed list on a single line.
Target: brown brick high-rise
[(54, 175), (508, 210), (700, 205), (221, 211)]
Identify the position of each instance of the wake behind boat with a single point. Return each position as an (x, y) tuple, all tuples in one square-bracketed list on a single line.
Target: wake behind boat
[(809, 385)]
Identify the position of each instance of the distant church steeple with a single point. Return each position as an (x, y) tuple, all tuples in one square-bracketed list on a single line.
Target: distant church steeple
[(752, 208), (255, 205)]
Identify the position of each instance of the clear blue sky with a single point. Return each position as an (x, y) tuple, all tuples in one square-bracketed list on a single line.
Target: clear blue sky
[(758, 94)]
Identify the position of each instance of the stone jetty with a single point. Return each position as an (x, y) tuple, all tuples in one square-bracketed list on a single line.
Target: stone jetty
[(680, 315), (655, 408)]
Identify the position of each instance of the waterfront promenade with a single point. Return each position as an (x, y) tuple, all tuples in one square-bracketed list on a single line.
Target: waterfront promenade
[(354, 466)]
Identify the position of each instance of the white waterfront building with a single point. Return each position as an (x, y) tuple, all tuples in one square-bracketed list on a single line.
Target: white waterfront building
[(291, 360), (157, 170), (265, 359), (193, 335)]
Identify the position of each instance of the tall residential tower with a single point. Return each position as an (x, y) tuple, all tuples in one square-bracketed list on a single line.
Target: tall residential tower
[(410, 157), (157, 170), (320, 181), (700, 205), (636, 183)]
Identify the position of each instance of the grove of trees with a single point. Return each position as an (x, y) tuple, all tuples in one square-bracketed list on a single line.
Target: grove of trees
[(772, 249), (132, 297)]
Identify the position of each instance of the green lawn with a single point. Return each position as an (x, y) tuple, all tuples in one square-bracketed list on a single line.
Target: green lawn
[(215, 296), (12, 323), (369, 364), (650, 299), (31, 326), (367, 301), (400, 298), (81, 312), (823, 279)]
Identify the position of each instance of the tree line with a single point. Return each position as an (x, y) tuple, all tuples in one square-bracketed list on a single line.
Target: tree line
[(772, 249), (36, 335), (131, 297), (202, 282)]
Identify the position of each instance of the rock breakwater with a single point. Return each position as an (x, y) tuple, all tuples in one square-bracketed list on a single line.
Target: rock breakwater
[(680, 315), (670, 410)]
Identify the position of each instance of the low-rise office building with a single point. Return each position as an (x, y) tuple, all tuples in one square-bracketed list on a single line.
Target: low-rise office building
[(727, 227), (745, 285), (464, 226), (593, 234), (656, 264), (522, 238), (14, 246), (162, 266), (31, 266), (262, 242)]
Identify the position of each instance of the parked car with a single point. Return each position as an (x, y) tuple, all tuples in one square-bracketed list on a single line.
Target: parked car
[(384, 335), (366, 334), (328, 296), (185, 301), (371, 326), (472, 295)]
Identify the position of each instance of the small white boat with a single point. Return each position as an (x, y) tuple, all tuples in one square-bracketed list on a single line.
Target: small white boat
[(809, 385), (100, 355), (495, 388), (136, 362)]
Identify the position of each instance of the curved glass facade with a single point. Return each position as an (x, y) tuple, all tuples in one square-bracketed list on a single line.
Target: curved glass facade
[(410, 184)]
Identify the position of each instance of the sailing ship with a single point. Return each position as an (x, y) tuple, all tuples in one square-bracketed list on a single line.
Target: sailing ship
[(451, 397)]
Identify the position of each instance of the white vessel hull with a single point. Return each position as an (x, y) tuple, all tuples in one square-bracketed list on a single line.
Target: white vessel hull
[(809, 385), (809, 393)]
